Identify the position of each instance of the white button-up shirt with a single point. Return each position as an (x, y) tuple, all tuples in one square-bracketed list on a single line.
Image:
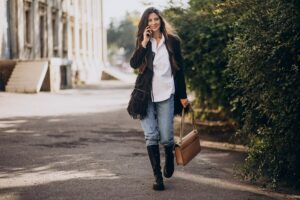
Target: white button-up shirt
[(163, 82)]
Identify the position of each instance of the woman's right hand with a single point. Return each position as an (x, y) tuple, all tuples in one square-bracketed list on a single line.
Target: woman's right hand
[(147, 34)]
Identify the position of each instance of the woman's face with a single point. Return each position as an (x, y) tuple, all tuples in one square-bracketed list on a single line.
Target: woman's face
[(154, 22)]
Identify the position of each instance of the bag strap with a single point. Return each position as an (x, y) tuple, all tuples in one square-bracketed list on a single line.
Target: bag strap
[(182, 122)]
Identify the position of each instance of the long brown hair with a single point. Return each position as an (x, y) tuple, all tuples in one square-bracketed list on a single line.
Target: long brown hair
[(165, 28)]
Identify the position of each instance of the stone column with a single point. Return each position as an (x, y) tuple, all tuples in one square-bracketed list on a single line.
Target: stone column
[(36, 33), (78, 64), (2, 18), (103, 47), (95, 36), (49, 27), (60, 29), (4, 30), (84, 38), (69, 30), (76, 33), (88, 31), (13, 33)]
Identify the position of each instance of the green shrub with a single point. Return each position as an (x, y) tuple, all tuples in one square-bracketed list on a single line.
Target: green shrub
[(244, 56), (263, 70), (204, 39)]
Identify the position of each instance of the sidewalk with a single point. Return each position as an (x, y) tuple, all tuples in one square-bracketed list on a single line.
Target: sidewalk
[(102, 97), (81, 144)]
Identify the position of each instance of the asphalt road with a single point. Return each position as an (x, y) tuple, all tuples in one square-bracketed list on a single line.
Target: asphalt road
[(81, 144)]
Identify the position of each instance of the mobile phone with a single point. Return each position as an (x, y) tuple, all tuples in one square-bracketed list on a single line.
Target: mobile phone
[(149, 33)]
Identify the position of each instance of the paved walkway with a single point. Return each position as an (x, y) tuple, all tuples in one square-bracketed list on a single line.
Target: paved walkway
[(81, 144)]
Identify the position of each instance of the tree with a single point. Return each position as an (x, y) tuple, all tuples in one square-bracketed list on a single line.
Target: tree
[(205, 37), (122, 34)]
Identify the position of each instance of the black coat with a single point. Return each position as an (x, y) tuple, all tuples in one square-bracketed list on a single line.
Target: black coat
[(144, 79)]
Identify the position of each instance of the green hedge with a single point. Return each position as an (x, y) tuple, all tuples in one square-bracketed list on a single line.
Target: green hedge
[(204, 39), (264, 59), (244, 56)]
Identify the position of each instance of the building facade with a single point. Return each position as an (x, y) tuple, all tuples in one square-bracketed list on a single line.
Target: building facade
[(68, 34)]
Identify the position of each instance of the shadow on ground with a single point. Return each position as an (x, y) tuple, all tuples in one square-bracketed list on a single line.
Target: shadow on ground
[(103, 156)]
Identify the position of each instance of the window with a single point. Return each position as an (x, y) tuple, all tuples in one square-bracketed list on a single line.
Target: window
[(55, 31), (28, 29), (42, 28), (65, 35)]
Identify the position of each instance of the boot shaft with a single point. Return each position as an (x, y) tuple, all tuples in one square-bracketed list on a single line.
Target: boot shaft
[(154, 156), (169, 162)]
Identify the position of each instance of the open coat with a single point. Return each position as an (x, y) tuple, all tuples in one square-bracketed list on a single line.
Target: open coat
[(142, 59)]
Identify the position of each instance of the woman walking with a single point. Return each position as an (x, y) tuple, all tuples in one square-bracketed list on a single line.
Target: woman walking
[(160, 90)]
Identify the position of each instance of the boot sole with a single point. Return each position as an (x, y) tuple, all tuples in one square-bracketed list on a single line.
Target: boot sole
[(167, 175), (158, 188)]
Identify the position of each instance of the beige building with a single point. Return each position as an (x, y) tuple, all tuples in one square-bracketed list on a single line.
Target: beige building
[(50, 44)]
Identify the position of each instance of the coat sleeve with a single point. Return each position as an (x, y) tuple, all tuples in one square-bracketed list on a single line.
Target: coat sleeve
[(138, 57), (180, 72)]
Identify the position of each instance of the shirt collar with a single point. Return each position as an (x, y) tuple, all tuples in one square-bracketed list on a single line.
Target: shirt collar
[(161, 42)]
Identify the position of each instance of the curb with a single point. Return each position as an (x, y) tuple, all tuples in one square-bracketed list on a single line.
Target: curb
[(219, 145), (224, 146)]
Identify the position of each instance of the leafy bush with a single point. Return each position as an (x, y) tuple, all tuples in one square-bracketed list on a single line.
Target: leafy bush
[(263, 70), (204, 40), (244, 56)]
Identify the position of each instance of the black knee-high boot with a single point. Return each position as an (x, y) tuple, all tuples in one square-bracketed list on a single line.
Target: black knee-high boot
[(154, 156), (169, 163)]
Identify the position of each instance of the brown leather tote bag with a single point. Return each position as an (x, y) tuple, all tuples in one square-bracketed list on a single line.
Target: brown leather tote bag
[(187, 147)]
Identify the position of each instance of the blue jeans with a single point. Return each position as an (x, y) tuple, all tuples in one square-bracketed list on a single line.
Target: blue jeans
[(158, 124)]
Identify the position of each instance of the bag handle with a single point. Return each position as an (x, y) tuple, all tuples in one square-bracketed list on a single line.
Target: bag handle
[(182, 122)]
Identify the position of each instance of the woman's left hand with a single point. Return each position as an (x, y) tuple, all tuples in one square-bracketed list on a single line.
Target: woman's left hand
[(184, 102)]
